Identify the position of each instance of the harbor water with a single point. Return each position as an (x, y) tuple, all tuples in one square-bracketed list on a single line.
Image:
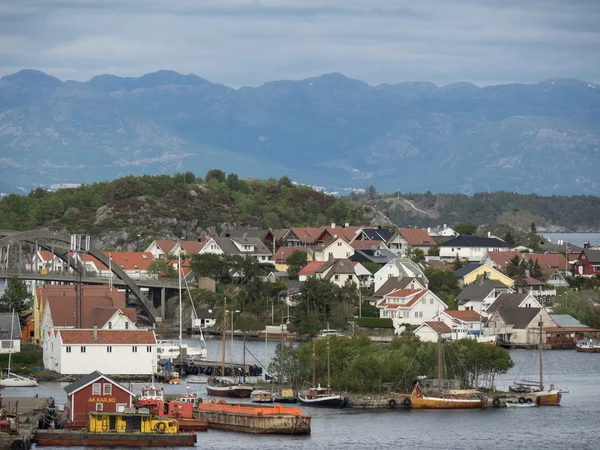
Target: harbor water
[(570, 426)]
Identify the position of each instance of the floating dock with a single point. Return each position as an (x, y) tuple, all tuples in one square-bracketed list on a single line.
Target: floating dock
[(69, 438)]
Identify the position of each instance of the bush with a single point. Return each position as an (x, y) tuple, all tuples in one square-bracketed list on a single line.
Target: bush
[(368, 311), (374, 322)]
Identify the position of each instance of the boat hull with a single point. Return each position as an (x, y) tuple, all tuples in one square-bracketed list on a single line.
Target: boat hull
[(519, 405), (229, 391), (67, 438), (548, 398), (254, 420), (588, 349), (332, 401), (17, 382), (447, 403)]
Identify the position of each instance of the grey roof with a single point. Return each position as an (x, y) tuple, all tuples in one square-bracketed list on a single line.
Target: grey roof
[(5, 326), (593, 256), (206, 313), (467, 269), (567, 321), (229, 248), (293, 287), (88, 379), (377, 234), (338, 266), (408, 268), (475, 241), (518, 317), (555, 248), (376, 256), (479, 289), (506, 300), (392, 284), (248, 232)]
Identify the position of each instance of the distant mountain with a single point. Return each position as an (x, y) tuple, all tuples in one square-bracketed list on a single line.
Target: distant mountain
[(328, 131)]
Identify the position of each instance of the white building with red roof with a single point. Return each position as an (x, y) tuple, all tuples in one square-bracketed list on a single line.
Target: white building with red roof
[(405, 239), (430, 331), (116, 352), (410, 307), (464, 324)]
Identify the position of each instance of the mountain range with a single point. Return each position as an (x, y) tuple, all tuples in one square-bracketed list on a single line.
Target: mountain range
[(330, 131)]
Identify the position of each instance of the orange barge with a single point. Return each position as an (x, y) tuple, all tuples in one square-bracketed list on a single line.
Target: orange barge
[(276, 419)]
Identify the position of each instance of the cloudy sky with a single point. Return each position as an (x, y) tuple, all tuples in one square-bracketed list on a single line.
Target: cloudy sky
[(248, 42)]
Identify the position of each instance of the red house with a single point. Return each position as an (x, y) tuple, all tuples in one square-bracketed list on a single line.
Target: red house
[(95, 392), (588, 263)]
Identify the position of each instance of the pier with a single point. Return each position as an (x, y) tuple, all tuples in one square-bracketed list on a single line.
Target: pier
[(31, 413)]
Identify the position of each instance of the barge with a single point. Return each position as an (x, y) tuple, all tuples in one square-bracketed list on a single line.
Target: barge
[(274, 419)]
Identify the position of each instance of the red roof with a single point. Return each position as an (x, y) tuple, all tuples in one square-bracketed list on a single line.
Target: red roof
[(192, 247), (438, 326), (413, 295), (131, 260), (311, 267), (307, 235), (465, 316), (166, 245), (283, 252), (501, 259), (416, 237), (365, 244), (108, 337), (345, 233)]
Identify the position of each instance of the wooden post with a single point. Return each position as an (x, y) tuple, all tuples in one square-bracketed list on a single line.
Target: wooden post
[(314, 365), (223, 337), (540, 350)]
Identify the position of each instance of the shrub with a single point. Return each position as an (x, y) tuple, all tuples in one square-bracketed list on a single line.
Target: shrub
[(374, 322)]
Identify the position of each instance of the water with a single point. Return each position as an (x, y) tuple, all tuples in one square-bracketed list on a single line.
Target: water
[(574, 238), (572, 425)]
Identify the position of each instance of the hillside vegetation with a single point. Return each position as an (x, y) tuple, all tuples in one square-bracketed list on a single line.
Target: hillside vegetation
[(549, 213), (130, 212)]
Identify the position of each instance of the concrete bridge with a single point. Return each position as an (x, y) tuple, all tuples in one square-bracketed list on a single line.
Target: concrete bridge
[(59, 244)]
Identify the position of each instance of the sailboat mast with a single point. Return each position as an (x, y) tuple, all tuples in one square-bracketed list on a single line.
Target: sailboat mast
[(223, 337), (540, 350), (439, 352), (180, 307), (244, 358), (314, 365), (12, 326), (328, 366)]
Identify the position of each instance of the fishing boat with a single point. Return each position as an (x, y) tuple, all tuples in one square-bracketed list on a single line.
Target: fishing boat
[(150, 396), (317, 395), (418, 400), (226, 387), (588, 346), (274, 419), (12, 379), (545, 397), (285, 396), (261, 396), (130, 428)]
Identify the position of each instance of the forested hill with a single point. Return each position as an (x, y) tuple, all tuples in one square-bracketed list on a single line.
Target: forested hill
[(551, 213), (130, 212)]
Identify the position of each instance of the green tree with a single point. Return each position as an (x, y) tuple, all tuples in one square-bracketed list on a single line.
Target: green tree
[(457, 263), (210, 265), (295, 262), (371, 267), (271, 220), (433, 251), (442, 281), (465, 228), (162, 269), (515, 267), (284, 181), (216, 175), (416, 254), (509, 239), (15, 297), (535, 270)]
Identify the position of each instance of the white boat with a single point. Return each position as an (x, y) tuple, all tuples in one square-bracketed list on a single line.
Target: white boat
[(512, 404), (197, 353), (167, 350), (14, 380), (196, 380)]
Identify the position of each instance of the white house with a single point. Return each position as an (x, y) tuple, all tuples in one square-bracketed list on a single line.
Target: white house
[(431, 331), (116, 352), (479, 295), (161, 247), (244, 246), (464, 324), (333, 249), (512, 300), (9, 323), (405, 239), (447, 232), (399, 268), (471, 248), (410, 307), (338, 271)]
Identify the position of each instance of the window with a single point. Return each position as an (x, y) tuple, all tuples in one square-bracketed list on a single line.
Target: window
[(127, 325), (110, 325), (109, 349), (107, 389), (96, 389), (431, 301), (68, 349), (99, 407), (349, 277), (339, 244), (148, 349), (336, 277), (83, 349), (134, 349)]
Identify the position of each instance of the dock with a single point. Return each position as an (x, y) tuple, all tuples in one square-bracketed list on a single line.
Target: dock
[(213, 368), (31, 412)]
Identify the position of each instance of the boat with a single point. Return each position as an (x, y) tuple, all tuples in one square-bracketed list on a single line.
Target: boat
[(285, 396), (130, 428), (261, 396), (12, 379), (150, 396), (588, 346), (545, 397), (327, 332), (196, 353), (317, 395), (418, 400), (272, 419), (222, 386), (513, 404)]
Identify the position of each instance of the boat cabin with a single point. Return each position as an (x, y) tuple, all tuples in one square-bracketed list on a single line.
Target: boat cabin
[(131, 422)]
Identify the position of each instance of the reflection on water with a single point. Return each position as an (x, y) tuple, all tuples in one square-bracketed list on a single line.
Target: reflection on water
[(571, 426)]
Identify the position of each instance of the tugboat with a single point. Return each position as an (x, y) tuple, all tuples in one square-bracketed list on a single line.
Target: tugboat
[(588, 346), (150, 396)]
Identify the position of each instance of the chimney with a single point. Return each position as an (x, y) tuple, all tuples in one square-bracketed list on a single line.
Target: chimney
[(445, 226), (335, 236), (332, 224), (346, 225), (95, 334), (489, 234), (428, 230), (527, 273)]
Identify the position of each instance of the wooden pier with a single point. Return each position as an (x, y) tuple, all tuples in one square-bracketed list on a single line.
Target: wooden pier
[(30, 413)]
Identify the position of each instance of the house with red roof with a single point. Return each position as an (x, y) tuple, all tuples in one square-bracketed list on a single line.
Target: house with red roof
[(464, 324), (553, 265), (405, 239), (410, 307), (282, 253), (588, 263), (310, 270), (432, 330), (161, 247), (115, 352)]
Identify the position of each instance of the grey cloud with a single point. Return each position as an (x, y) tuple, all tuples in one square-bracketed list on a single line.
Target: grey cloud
[(240, 42)]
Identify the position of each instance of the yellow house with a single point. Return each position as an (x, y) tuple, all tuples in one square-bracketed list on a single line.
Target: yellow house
[(282, 253), (470, 272)]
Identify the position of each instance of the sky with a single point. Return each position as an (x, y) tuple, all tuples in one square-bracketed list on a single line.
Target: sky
[(249, 42)]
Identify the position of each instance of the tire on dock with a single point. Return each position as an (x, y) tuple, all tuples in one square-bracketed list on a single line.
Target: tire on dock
[(18, 444), (496, 402), (406, 402), (392, 403)]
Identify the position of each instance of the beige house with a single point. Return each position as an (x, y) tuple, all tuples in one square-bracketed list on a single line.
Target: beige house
[(333, 249), (518, 325)]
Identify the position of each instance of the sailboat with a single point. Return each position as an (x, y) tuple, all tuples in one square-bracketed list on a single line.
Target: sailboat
[(223, 387), (12, 379), (317, 395), (441, 401), (201, 352), (545, 397)]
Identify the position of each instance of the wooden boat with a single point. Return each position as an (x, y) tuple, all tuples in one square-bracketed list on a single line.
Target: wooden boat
[(285, 396), (512, 404), (588, 346), (131, 428), (260, 396), (442, 401), (275, 419)]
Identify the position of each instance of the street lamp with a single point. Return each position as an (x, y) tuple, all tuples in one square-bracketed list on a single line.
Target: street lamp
[(232, 312)]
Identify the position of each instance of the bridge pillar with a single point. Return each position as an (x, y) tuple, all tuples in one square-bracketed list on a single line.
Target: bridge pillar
[(163, 296)]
